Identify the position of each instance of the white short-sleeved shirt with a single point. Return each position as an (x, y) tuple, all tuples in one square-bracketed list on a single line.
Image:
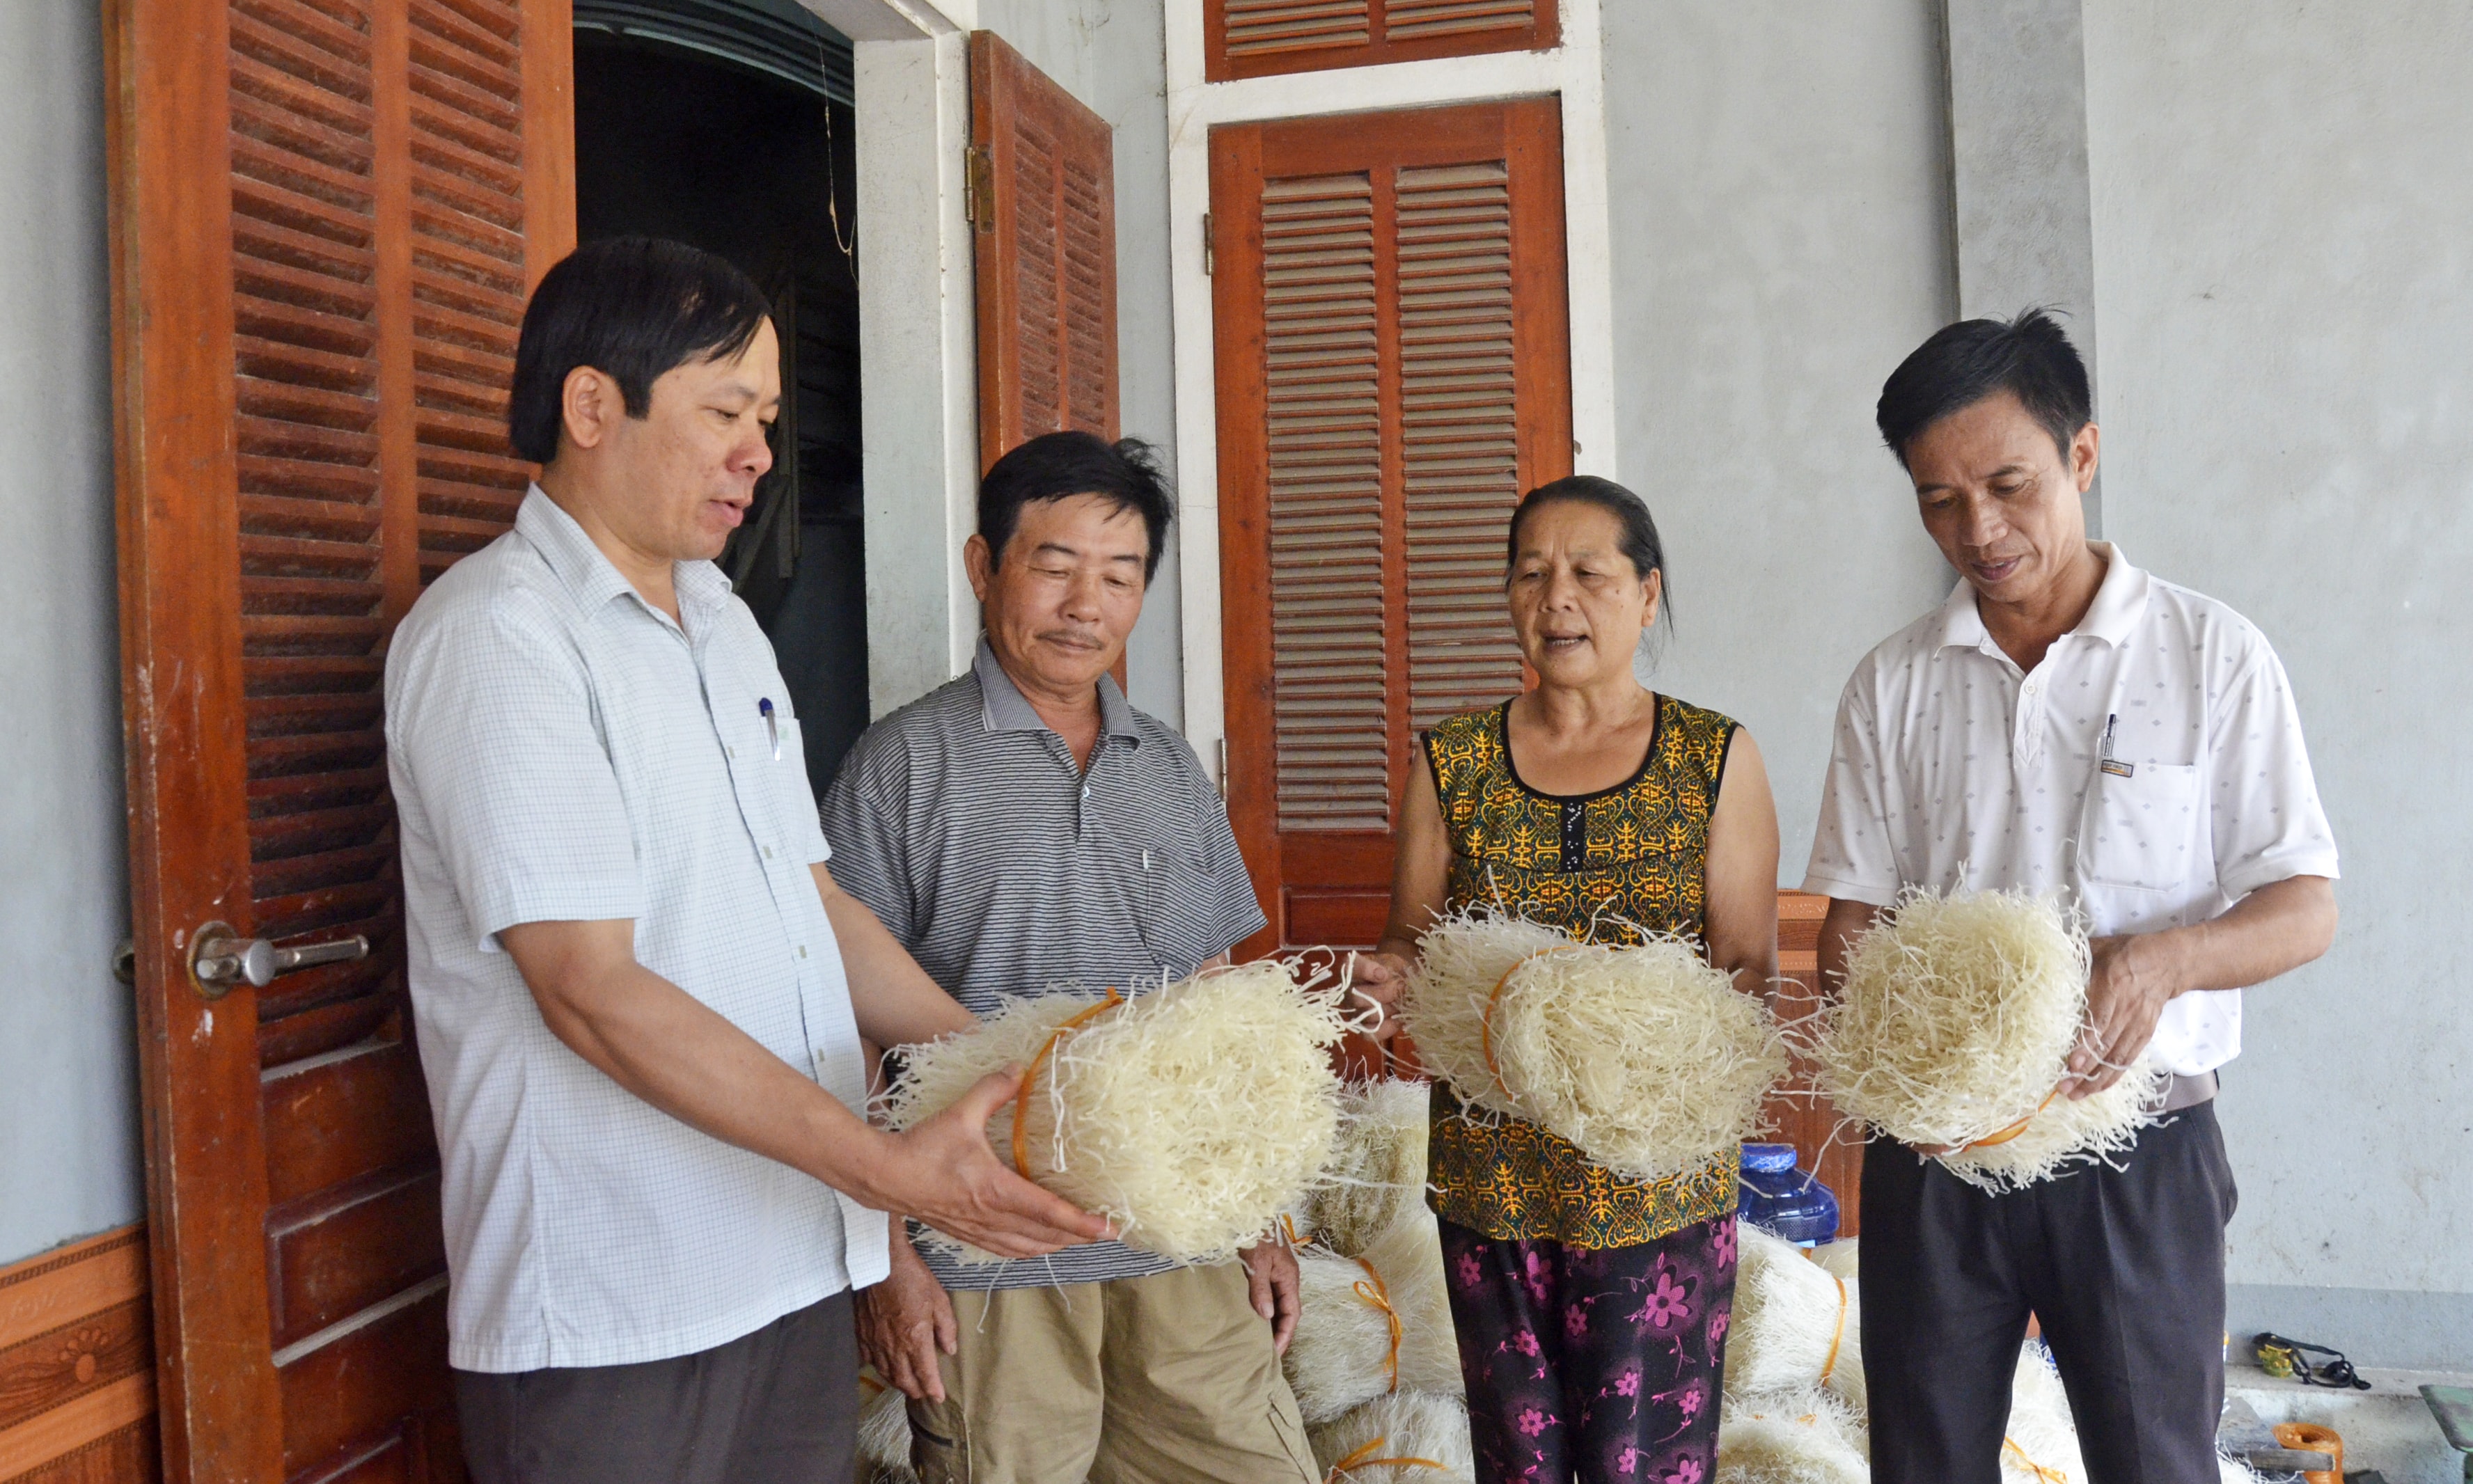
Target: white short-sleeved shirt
[(1953, 768), (562, 750)]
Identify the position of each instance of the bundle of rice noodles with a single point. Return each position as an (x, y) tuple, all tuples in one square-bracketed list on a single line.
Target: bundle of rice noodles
[(1648, 1058), (1356, 1314), (1377, 1175), (1958, 1015), (1797, 1436), (1842, 1258), (1421, 1426), (1189, 1115), (884, 1435), (2040, 1445), (1796, 1325)]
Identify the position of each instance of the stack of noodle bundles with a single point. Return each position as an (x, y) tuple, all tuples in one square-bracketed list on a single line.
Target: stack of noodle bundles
[(1646, 1058), (1373, 1325), (1403, 1436), (1797, 1326), (1958, 1017), (1796, 1436), (1376, 1179), (1189, 1115)]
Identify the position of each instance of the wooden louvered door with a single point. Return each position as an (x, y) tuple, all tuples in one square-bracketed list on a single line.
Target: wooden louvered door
[(1245, 38), (1394, 368), (325, 215), (1043, 205)]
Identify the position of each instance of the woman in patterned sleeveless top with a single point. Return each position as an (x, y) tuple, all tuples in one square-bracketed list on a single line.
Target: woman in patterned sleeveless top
[(1591, 1310)]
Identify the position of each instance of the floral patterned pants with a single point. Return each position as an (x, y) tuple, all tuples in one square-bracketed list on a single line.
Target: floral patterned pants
[(1592, 1366)]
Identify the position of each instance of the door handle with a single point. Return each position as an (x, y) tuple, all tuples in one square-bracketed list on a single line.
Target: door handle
[(221, 958)]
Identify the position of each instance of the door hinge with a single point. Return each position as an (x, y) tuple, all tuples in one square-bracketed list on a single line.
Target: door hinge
[(1223, 769), (979, 188), (1208, 253)]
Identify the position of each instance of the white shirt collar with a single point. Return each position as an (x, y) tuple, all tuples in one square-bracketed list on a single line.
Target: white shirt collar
[(2120, 602), (591, 576)]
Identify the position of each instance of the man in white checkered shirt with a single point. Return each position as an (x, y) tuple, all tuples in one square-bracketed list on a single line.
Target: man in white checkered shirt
[(639, 995)]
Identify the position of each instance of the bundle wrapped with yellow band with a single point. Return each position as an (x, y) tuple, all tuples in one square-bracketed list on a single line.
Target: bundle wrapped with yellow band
[(1648, 1058), (1188, 1116), (1954, 1029)]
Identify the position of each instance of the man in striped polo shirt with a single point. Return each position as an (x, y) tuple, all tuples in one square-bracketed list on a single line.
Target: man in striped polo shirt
[(1023, 829)]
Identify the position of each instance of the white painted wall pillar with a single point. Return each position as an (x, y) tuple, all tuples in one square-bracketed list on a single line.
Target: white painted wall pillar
[(2018, 136)]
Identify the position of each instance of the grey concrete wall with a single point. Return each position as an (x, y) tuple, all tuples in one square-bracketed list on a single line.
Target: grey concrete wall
[(69, 1162), (1111, 56), (2281, 199), (1781, 232)]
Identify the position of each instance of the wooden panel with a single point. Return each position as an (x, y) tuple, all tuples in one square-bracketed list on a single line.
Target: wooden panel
[(1392, 343), (1043, 201), (349, 1397), (1244, 38), (329, 1122), (77, 1364), (1338, 918), (126, 1455), (343, 1251)]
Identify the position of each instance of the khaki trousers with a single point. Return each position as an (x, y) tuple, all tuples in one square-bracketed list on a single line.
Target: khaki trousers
[(1167, 1380)]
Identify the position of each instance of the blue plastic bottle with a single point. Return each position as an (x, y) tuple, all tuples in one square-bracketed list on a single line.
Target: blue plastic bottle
[(1788, 1202)]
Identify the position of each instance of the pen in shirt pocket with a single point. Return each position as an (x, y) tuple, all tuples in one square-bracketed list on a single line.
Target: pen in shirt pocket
[(772, 725)]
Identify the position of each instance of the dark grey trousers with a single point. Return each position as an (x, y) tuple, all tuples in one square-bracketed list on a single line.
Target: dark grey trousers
[(777, 1406), (2124, 1269)]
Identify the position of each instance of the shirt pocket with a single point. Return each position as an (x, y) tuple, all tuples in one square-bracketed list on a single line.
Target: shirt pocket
[(1176, 899), (2142, 831)]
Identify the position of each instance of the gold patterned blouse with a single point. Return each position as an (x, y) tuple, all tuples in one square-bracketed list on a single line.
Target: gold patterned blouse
[(1594, 865)]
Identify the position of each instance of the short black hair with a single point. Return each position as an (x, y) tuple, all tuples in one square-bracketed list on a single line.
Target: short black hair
[(1639, 540), (1058, 466), (634, 307), (1964, 363)]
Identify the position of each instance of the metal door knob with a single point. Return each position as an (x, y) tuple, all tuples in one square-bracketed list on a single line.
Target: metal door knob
[(222, 958)]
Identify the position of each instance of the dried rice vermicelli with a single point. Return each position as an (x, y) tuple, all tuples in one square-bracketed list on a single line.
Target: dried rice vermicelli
[(1648, 1058), (2040, 1445), (1958, 1017), (1349, 1309), (1377, 1175), (1459, 962), (884, 1435), (1792, 1437), (1842, 1258), (1796, 1325), (1421, 1426), (1189, 1115)]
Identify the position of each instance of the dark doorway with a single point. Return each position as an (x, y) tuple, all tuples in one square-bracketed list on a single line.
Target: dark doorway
[(727, 124)]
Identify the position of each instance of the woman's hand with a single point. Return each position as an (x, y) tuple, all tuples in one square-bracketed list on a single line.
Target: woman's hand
[(1381, 979)]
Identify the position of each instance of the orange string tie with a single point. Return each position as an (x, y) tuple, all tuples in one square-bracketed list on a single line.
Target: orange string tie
[(1485, 1023), (1022, 1094), (1837, 1337), (2015, 1129), (2045, 1475), (1372, 1290), (1364, 1458)]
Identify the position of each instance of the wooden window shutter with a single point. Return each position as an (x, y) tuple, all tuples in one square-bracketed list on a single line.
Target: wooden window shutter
[(1247, 38), (1043, 206), (326, 215), (1393, 364)]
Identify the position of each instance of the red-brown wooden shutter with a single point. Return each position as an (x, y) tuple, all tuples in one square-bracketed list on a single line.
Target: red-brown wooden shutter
[(1393, 364), (325, 217), (1043, 203), (1246, 39)]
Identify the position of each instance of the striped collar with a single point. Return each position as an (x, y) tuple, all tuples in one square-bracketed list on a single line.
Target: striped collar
[(1003, 708)]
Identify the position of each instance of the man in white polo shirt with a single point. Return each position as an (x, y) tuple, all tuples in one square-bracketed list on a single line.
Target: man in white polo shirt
[(639, 995), (2065, 722)]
